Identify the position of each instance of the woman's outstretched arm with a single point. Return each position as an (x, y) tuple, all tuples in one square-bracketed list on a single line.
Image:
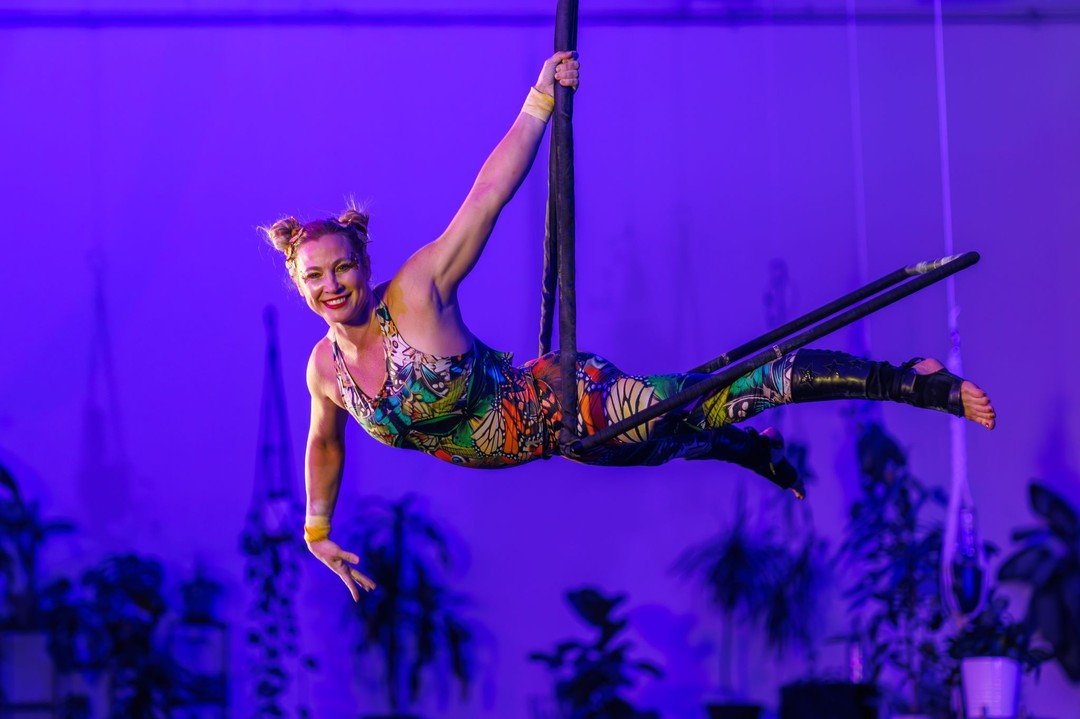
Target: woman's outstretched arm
[(450, 258), (324, 459)]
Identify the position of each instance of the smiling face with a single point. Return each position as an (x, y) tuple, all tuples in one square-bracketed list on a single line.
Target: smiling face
[(332, 279)]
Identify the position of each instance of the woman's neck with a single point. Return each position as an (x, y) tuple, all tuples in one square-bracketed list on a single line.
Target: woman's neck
[(363, 330)]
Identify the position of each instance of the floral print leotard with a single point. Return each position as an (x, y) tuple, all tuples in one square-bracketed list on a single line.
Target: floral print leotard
[(474, 409), (477, 410)]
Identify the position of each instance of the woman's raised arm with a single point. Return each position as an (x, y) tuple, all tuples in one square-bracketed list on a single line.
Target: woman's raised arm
[(450, 258)]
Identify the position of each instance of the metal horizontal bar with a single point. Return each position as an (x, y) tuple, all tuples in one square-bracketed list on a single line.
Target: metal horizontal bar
[(726, 377), (819, 314), (15, 19)]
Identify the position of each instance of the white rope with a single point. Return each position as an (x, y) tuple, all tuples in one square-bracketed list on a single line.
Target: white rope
[(862, 242), (961, 509)]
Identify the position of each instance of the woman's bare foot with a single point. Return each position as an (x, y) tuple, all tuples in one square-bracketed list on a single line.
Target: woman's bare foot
[(977, 405)]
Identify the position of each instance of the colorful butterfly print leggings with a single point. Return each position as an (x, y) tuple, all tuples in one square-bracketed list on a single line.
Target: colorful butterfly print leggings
[(700, 431)]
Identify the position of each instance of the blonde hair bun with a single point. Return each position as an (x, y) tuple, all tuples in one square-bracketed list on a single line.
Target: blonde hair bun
[(283, 235), (288, 233), (357, 219)]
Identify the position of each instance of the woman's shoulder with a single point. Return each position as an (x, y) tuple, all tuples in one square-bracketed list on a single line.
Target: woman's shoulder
[(320, 368)]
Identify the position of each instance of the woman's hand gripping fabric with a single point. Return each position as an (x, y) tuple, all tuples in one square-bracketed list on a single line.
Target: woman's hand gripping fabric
[(562, 67), (341, 563)]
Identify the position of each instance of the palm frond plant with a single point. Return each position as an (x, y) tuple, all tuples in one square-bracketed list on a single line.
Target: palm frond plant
[(793, 609), (590, 677), (895, 549), (23, 533), (793, 614), (414, 622), (758, 579), (1047, 559)]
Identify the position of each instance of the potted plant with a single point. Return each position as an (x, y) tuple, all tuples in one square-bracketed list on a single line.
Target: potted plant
[(23, 533), (126, 593), (109, 625), (198, 643), (413, 621), (792, 618), (993, 650), (590, 676), (1048, 561), (756, 579), (896, 550)]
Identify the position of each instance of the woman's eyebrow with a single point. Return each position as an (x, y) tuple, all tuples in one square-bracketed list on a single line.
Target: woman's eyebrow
[(338, 261)]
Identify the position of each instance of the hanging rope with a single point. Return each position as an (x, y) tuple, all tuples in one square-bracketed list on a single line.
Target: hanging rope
[(862, 242), (963, 562), (558, 277)]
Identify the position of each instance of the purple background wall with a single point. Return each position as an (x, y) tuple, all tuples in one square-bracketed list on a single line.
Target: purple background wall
[(702, 154)]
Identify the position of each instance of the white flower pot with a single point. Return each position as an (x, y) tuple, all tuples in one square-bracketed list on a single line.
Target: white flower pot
[(991, 687)]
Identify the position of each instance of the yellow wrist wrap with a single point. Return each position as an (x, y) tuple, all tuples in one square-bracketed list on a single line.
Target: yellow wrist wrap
[(538, 105), (316, 528)]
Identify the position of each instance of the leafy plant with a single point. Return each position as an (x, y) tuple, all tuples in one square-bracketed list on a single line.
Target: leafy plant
[(993, 633), (792, 612), (1048, 560), (23, 532), (793, 616), (110, 624), (757, 579), (897, 554), (273, 571), (203, 684), (589, 677), (413, 620)]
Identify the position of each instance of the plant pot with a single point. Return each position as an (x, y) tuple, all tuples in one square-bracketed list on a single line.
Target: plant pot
[(26, 669), (734, 711), (836, 700), (991, 687)]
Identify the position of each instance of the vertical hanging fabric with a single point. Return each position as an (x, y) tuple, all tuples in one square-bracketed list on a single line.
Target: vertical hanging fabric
[(963, 562), (862, 242), (551, 261), (566, 21)]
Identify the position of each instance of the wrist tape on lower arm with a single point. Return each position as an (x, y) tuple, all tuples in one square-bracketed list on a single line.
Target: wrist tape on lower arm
[(538, 105), (316, 528)]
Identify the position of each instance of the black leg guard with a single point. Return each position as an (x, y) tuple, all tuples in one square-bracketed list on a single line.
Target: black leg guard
[(744, 447), (823, 374), (756, 452)]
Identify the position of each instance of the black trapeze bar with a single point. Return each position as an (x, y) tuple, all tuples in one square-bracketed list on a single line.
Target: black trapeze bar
[(924, 274), (817, 315), (566, 22)]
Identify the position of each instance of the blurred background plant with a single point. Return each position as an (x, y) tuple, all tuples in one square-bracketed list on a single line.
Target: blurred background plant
[(414, 622), (592, 677), (894, 546), (1047, 561)]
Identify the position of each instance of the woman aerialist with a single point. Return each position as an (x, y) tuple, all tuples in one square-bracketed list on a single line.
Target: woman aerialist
[(399, 358)]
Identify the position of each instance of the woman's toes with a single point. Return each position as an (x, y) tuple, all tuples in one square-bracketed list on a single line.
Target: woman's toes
[(928, 366), (773, 435)]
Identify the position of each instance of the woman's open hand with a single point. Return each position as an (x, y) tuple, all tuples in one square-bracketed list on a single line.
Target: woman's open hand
[(562, 66), (341, 563)]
